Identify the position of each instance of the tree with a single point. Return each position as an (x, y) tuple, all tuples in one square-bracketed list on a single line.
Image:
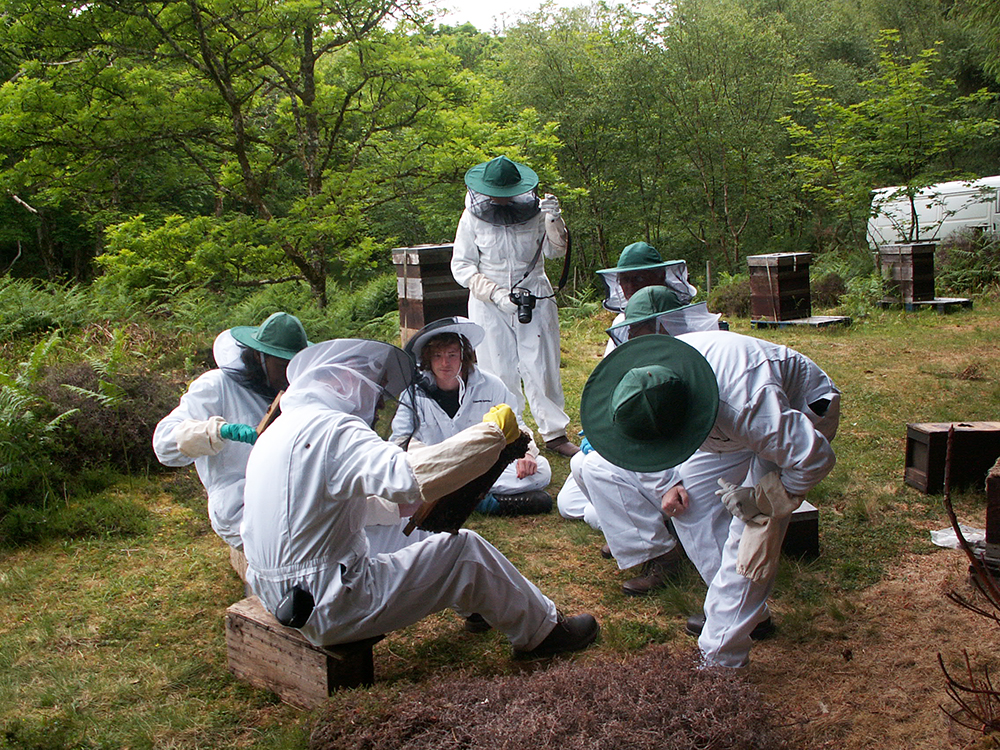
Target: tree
[(903, 133), (294, 118)]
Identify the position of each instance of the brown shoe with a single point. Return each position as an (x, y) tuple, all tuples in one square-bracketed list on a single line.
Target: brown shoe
[(606, 552), (562, 446), (655, 574), (569, 634), (476, 623)]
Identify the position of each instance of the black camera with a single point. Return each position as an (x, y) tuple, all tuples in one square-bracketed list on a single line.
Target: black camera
[(525, 302)]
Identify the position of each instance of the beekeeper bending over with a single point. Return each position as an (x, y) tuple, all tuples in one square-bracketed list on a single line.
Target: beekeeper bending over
[(762, 415), (313, 482)]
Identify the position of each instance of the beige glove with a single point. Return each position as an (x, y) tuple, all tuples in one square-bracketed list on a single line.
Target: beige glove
[(196, 438), (760, 545), (486, 290), (503, 417), (453, 463)]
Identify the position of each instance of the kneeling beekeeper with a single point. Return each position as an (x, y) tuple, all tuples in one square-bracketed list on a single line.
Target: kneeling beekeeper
[(313, 482)]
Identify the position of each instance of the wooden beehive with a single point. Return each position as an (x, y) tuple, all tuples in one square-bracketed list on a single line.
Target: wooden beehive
[(270, 656), (974, 451), (908, 271), (779, 286), (425, 287)]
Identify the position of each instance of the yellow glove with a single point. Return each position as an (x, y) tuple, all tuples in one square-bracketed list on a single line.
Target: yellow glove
[(503, 417)]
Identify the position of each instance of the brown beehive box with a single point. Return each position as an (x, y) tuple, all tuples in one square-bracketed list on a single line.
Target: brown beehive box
[(908, 270), (974, 451), (779, 286), (425, 287)]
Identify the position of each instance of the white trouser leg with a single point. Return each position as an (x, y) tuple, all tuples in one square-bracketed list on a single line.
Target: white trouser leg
[(459, 571), (497, 352), (572, 498), (509, 484), (538, 364), (628, 506), (734, 606)]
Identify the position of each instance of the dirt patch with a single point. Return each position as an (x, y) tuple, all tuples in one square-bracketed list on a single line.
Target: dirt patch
[(876, 681)]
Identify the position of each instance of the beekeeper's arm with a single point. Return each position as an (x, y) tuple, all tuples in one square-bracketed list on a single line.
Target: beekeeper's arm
[(556, 233), (465, 268)]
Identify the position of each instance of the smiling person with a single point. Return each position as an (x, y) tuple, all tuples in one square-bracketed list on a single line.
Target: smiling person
[(452, 393)]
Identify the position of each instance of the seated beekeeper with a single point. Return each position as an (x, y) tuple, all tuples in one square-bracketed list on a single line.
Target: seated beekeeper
[(451, 393), (722, 434), (214, 423), (319, 472)]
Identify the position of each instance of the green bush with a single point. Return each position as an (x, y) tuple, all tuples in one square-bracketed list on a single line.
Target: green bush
[(827, 290), (731, 296), (968, 263)]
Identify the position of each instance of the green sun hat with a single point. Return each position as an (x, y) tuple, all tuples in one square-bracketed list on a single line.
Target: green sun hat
[(650, 403), (501, 178), (639, 256), (281, 335), (647, 304)]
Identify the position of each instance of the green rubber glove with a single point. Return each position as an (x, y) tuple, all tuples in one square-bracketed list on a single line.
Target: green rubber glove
[(242, 433)]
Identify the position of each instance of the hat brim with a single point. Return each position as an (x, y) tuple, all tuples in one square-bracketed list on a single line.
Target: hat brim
[(656, 453), (647, 267), (651, 316), (462, 326), (474, 181), (246, 335)]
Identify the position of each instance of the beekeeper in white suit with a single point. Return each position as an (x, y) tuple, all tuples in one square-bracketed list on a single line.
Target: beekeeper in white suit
[(452, 393), (312, 483), (762, 415), (214, 424), (501, 243)]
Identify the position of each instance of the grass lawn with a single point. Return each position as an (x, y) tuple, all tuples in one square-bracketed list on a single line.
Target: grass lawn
[(117, 641)]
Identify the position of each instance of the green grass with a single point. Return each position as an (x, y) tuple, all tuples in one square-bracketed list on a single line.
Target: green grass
[(116, 639)]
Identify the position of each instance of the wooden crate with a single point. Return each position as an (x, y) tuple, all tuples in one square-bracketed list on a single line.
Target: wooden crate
[(425, 287), (272, 657), (908, 270), (974, 451), (779, 286)]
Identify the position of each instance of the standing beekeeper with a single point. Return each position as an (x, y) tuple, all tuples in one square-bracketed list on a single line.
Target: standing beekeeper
[(502, 239), (214, 425), (316, 476), (452, 393), (762, 416)]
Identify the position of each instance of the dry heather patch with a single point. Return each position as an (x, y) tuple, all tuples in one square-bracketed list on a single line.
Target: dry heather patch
[(657, 699)]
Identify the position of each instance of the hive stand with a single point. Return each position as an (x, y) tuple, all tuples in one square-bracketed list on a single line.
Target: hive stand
[(270, 656)]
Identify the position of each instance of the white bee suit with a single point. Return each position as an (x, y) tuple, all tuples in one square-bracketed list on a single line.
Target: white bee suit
[(223, 473), (764, 424), (309, 481), (489, 257), (430, 424)]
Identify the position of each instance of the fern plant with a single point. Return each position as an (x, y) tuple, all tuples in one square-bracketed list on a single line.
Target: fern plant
[(29, 437)]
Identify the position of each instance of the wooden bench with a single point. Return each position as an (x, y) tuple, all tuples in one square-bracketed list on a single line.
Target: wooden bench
[(268, 655)]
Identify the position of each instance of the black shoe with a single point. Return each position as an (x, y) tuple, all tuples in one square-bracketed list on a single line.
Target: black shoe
[(655, 574), (763, 630), (606, 552), (475, 623), (569, 634), (525, 504)]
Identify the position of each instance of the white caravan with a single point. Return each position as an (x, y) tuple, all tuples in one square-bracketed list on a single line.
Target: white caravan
[(942, 210)]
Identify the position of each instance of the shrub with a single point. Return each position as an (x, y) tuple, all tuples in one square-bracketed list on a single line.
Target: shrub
[(828, 289), (968, 263), (731, 296)]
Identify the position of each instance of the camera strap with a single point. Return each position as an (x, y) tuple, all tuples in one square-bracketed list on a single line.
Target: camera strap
[(565, 271)]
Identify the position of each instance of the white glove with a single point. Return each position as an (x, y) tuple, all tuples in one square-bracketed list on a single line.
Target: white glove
[(482, 288), (196, 438), (501, 298), (550, 205), (740, 501)]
